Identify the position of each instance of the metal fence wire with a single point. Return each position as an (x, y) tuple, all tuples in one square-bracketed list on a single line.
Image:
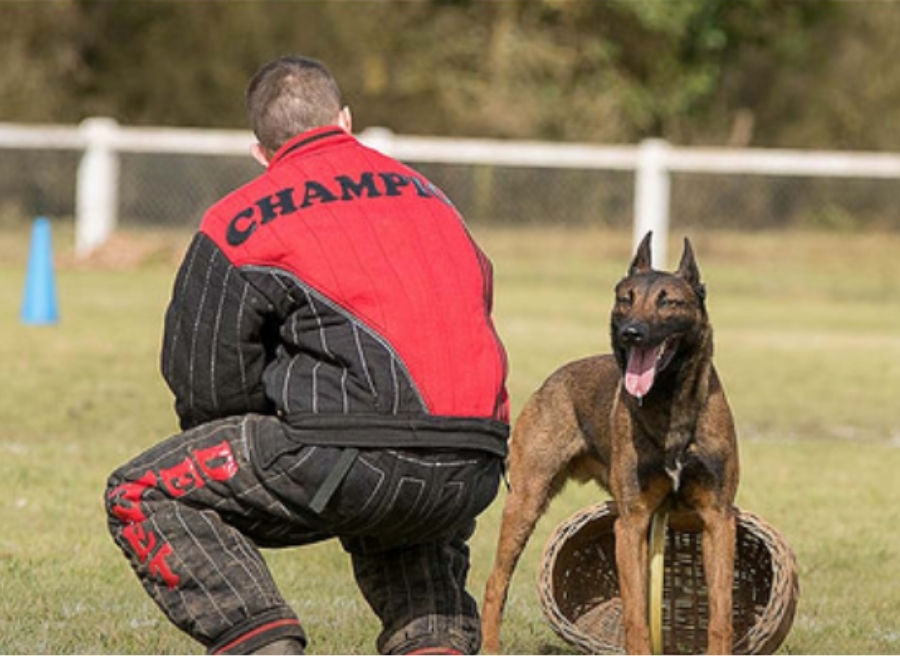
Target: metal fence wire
[(174, 190), (37, 183)]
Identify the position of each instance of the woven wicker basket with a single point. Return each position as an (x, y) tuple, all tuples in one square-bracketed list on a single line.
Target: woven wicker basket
[(579, 590)]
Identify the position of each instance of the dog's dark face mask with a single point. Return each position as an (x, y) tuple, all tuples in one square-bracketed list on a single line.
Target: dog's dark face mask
[(658, 319)]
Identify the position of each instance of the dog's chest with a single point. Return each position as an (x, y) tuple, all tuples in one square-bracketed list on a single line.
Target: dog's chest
[(684, 471)]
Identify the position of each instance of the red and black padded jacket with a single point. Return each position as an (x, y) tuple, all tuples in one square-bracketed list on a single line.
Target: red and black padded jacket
[(341, 291)]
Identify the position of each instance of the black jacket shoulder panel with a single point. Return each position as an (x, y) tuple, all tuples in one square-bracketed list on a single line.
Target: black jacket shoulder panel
[(214, 348), (327, 360)]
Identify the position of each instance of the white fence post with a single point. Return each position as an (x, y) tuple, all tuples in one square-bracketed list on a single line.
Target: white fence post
[(381, 139), (653, 162), (651, 202), (97, 187)]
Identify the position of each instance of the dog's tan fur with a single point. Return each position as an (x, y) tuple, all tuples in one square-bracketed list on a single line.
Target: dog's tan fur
[(676, 445)]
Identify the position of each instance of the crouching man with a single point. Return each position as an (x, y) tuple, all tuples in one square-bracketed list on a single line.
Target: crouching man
[(336, 374)]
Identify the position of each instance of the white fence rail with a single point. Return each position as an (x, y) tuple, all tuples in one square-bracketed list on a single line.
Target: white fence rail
[(101, 140)]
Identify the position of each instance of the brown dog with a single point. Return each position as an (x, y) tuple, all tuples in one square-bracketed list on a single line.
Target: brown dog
[(650, 424)]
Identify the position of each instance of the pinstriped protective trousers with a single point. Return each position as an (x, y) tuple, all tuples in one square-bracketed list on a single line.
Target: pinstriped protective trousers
[(191, 513)]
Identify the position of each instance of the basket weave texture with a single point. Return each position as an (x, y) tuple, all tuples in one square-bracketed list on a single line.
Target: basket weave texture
[(579, 589)]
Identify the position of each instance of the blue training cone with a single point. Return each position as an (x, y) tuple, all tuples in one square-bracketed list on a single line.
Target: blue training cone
[(39, 303)]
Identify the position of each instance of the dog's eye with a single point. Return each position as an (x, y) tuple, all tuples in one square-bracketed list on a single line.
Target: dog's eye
[(623, 299), (666, 302)]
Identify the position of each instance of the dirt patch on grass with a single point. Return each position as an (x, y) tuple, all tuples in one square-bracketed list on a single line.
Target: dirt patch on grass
[(128, 250)]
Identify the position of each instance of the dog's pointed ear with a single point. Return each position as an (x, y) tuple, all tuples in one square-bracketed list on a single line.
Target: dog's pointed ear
[(643, 258), (689, 271)]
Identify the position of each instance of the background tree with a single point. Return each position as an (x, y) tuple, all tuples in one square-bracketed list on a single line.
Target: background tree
[(39, 60), (758, 72)]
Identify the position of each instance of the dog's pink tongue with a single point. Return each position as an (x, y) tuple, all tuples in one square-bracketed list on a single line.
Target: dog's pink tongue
[(641, 371)]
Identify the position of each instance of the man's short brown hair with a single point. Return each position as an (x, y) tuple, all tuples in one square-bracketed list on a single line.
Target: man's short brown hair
[(289, 96)]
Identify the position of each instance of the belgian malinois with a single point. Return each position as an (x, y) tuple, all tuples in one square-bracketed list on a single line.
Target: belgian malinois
[(649, 423)]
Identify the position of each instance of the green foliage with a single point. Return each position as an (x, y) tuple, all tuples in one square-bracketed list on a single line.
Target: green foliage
[(762, 72), (39, 66)]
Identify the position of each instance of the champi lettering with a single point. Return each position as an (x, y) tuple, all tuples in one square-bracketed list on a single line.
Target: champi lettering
[(342, 188)]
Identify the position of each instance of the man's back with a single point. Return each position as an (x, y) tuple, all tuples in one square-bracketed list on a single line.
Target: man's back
[(383, 297)]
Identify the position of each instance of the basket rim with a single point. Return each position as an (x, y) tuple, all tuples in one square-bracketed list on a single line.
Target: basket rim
[(764, 637)]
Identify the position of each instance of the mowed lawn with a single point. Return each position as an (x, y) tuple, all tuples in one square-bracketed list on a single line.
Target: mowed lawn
[(807, 329)]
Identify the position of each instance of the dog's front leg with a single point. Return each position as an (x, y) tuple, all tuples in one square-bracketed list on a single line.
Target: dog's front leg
[(719, 534), (631, 561)]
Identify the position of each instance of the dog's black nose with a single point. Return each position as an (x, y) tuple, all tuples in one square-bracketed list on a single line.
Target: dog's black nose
[(634, 333)]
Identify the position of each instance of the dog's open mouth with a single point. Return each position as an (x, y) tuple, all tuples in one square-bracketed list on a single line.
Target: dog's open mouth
[(643, 365)]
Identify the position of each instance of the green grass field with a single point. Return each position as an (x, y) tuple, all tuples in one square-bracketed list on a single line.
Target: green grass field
[(807, 342)]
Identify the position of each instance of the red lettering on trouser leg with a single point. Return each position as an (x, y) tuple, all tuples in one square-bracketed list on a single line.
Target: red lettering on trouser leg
[(144, 542), (126, 499), (141, 540), (125, 503), (217, 462), (181, 479), (160, 567)]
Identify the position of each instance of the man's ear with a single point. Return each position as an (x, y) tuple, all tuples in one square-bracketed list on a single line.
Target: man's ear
[(345, 120), (260, 154)]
